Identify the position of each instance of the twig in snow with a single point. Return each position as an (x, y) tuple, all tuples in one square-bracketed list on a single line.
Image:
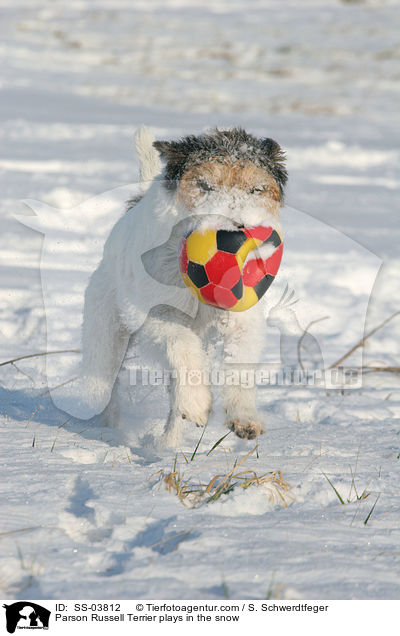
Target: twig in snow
[(363, 340), (305, 332), (372, 510), (58, 386), (37, 355), (380, 369)]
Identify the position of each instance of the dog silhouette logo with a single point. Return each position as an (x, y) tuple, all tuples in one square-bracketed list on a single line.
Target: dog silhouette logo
[(26, 615)]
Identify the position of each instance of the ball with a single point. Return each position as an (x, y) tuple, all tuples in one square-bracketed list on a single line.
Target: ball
[(218, 268)]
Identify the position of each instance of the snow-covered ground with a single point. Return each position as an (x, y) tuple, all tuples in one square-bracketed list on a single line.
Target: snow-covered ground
[(85, 511)]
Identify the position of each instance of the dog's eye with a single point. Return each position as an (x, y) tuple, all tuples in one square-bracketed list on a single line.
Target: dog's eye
[(258, 189), (203, 185)]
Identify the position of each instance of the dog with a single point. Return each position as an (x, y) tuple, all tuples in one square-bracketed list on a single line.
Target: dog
[(224, 176)]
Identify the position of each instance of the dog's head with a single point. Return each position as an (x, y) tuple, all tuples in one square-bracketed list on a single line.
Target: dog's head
[(227, 172)]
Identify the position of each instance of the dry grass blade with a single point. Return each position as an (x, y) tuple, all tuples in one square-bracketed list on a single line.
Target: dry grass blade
[(237, 464), (372, 510), (28, 529), (363, 340), (196, 494), (225, 486), (275, 476), (305, 332), (218, 443), (175, 539), (38, 355), (375, 369), (356, 497), (174, 482), (212, 482), (198, 444), (58, 386), (333, 487)]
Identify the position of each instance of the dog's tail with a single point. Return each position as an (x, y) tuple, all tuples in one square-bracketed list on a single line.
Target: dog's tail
[(149, 159)]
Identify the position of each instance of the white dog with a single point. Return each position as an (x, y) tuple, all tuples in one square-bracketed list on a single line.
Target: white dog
[(225, 179)]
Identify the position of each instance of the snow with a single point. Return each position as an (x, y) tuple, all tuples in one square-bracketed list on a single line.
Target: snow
[(85, 511)]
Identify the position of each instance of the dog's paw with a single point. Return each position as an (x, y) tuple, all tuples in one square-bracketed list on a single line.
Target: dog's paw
[(245, 427), (170, 439), (173, 432), (194, 403)]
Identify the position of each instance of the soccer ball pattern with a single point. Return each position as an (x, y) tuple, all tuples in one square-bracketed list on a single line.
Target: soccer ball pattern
[(213, 265)]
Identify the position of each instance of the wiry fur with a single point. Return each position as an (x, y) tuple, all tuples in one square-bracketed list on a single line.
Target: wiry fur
[(234, 144), (110, 302)]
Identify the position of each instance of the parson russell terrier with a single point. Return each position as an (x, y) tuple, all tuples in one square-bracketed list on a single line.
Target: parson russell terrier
[(228, 172)]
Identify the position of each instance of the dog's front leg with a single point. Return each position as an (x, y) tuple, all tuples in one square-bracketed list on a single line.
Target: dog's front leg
[(241, 354), (190, 396), (104, 341)]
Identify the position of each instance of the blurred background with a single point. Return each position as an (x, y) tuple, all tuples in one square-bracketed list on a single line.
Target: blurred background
[(321, 76)]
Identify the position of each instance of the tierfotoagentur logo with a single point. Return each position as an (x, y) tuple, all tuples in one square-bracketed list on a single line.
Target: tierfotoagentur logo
[(271, 375), (26, 615)]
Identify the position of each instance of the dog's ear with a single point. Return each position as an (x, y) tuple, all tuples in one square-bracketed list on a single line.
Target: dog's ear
[(169, 150), (173, 153), (163, 148), (276, 161)]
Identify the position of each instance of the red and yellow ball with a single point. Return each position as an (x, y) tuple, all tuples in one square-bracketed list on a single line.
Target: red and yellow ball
[(215, 265)]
